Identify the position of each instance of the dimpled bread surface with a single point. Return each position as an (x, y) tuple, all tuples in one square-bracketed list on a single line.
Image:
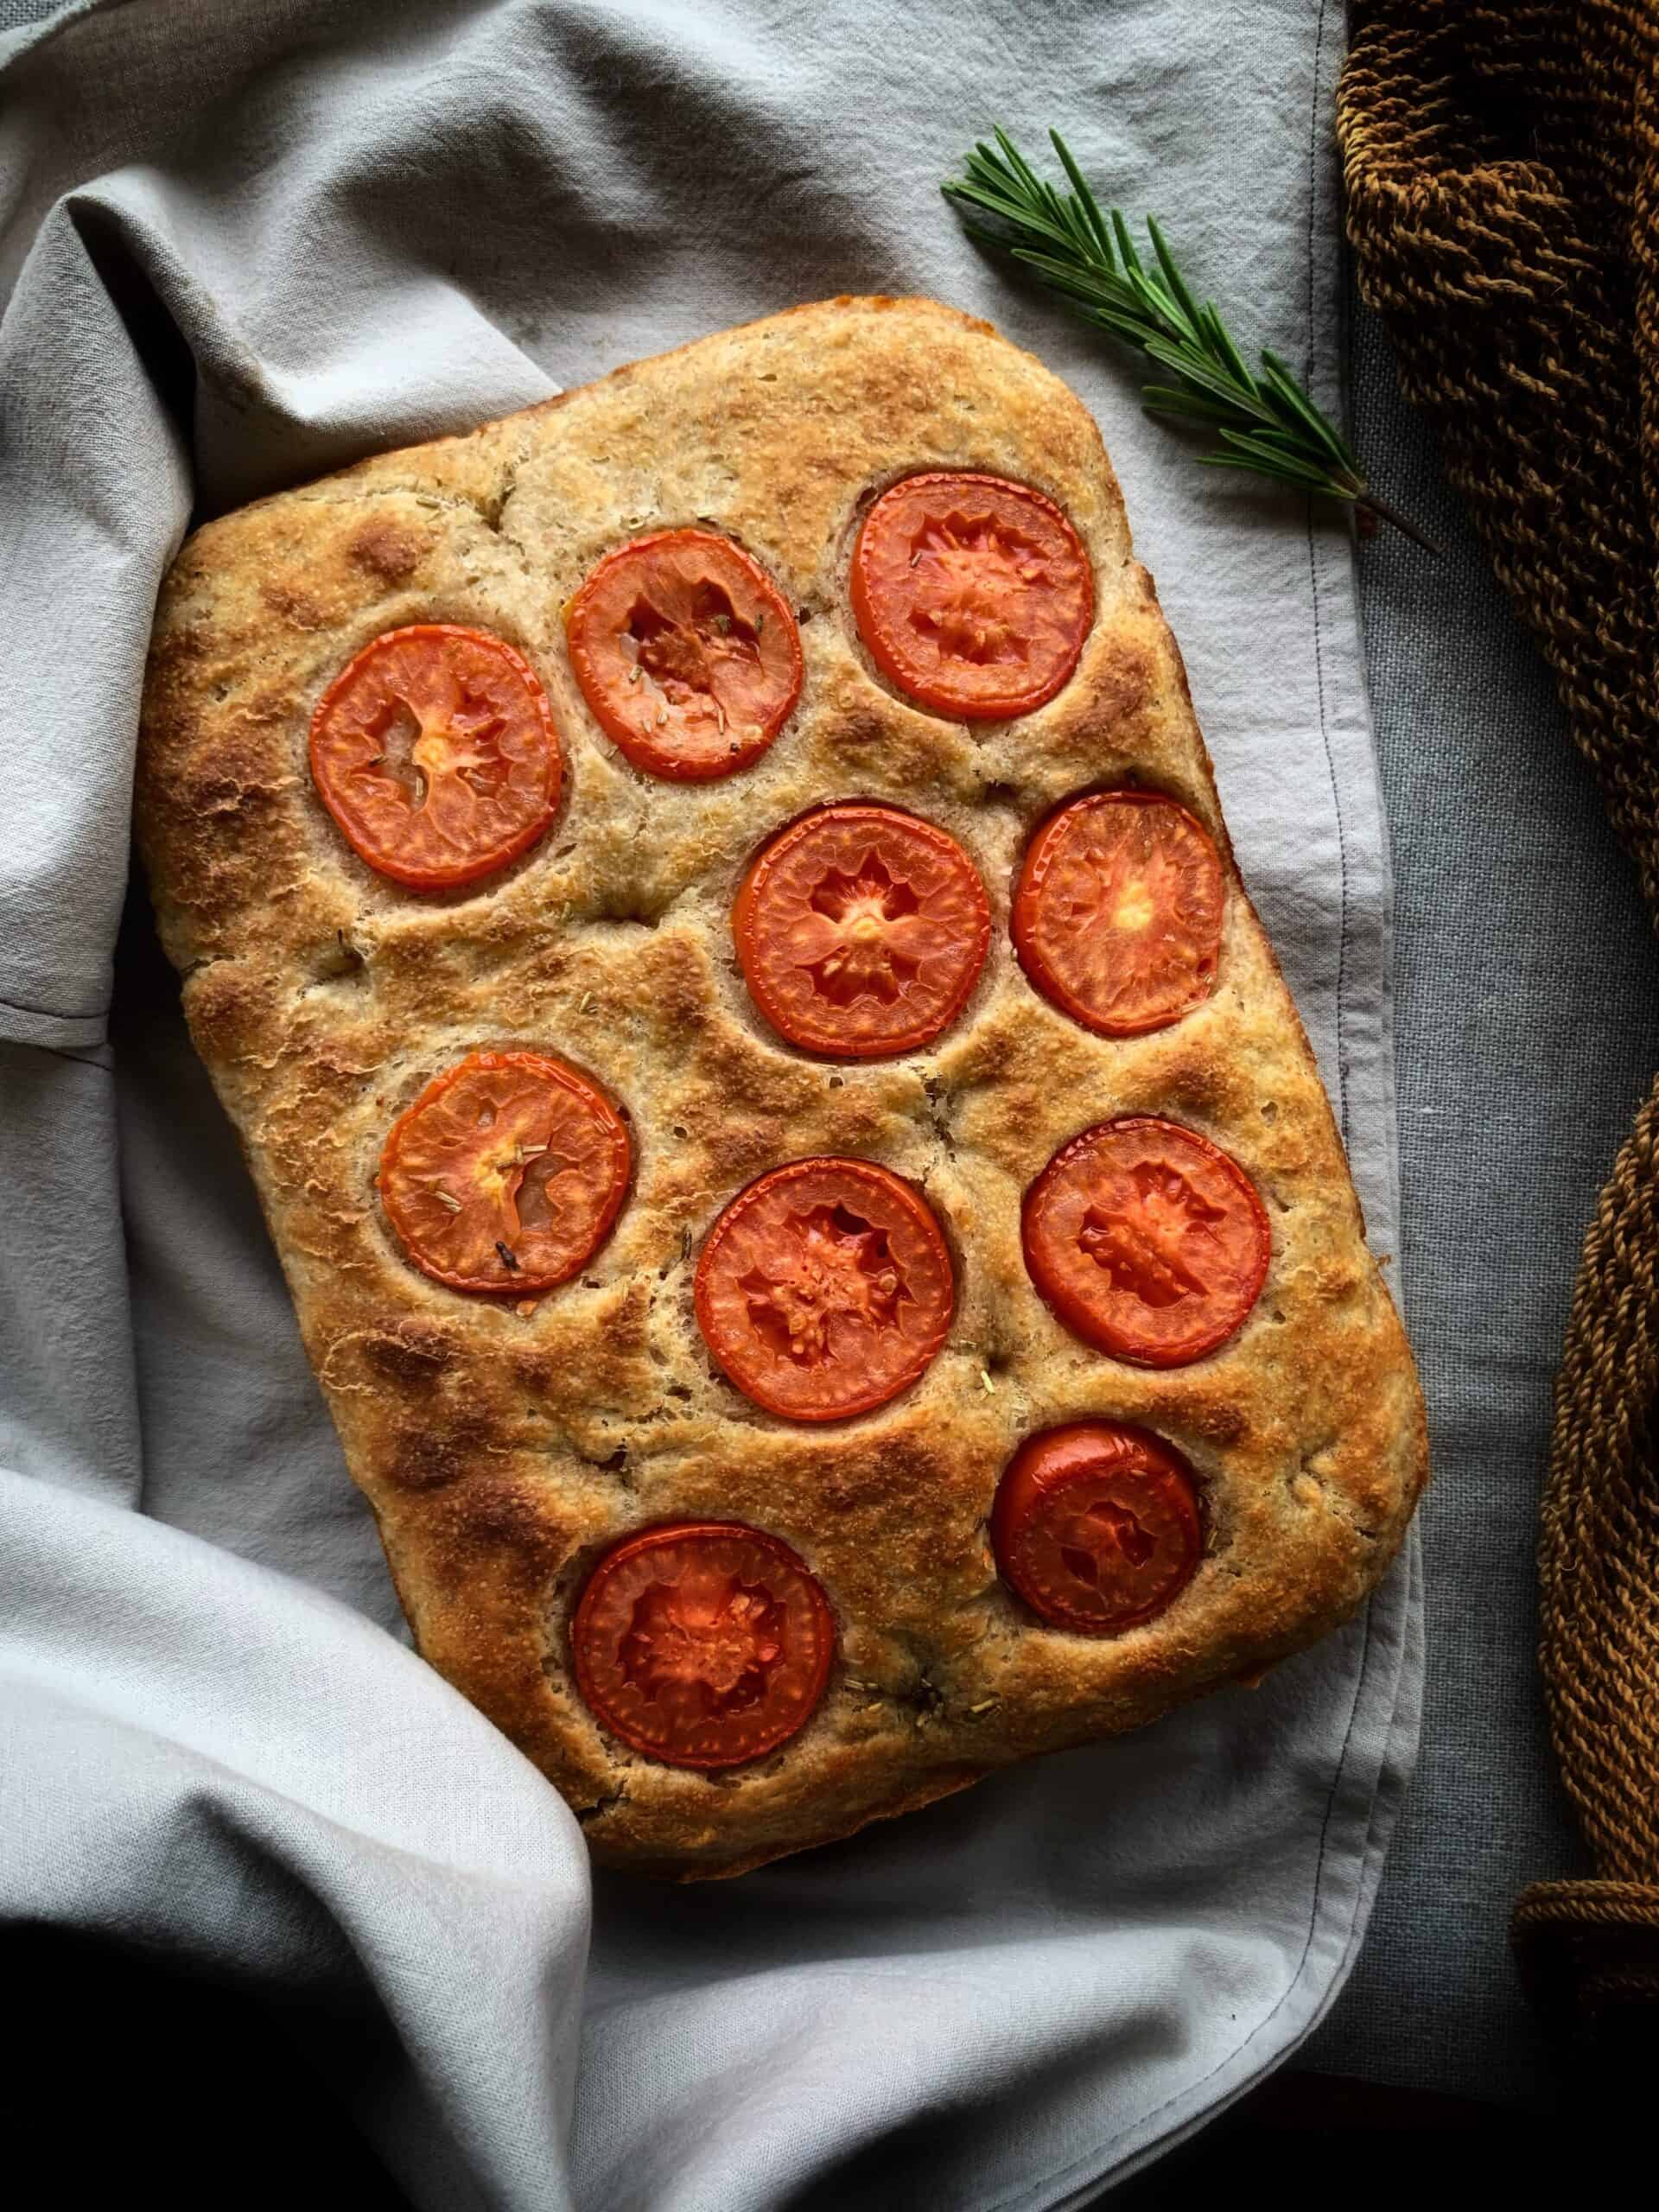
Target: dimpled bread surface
[(505, 1445)]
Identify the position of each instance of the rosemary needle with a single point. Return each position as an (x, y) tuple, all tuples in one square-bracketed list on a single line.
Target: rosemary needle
[(1264, 423)]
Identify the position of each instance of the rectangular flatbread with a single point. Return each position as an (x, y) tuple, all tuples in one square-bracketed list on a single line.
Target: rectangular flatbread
[(802, 1182)]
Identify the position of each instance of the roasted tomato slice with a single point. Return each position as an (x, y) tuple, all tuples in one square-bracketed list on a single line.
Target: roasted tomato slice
[(972, 593), (825, 1289), (435, 752), (1097, 1526), (505, 1173), (1117, 916), (687, 652), (861, 931), (702, 1643), (1146, 1240)]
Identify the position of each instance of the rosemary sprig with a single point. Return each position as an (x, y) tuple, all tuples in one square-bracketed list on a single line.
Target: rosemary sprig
[(1264, 423)]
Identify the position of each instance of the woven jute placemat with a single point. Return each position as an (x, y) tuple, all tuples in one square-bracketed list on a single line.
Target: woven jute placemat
[(1502, 167)]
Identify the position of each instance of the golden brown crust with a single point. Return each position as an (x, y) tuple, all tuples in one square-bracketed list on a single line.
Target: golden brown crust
[(502, 1446)]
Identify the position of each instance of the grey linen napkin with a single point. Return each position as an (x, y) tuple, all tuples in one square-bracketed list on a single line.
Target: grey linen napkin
[(243, 242)]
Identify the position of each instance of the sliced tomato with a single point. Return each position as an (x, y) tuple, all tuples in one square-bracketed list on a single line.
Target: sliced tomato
[(862, 930), (505, 1174), (974, 595), (702, 1643), (1117, 916), (687, 652), (1146, 1240), (825, 1289), (435, 752), (1097, 1526)]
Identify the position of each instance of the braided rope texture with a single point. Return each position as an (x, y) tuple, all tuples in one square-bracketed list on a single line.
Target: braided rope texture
[(1502, 169)]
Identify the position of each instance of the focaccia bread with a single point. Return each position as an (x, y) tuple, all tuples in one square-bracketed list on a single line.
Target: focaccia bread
[(902, 1621)]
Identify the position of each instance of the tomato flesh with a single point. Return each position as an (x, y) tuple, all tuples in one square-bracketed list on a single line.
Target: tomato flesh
[(505, 1174), (702, 1643), (435, 750), (687, 653), (825, 1289), (1117, 916), (862, 930), (1148, 1241), (1097, 1526), (973, 595)]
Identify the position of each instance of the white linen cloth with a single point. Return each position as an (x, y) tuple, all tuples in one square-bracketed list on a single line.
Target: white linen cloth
[(242, 243)]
